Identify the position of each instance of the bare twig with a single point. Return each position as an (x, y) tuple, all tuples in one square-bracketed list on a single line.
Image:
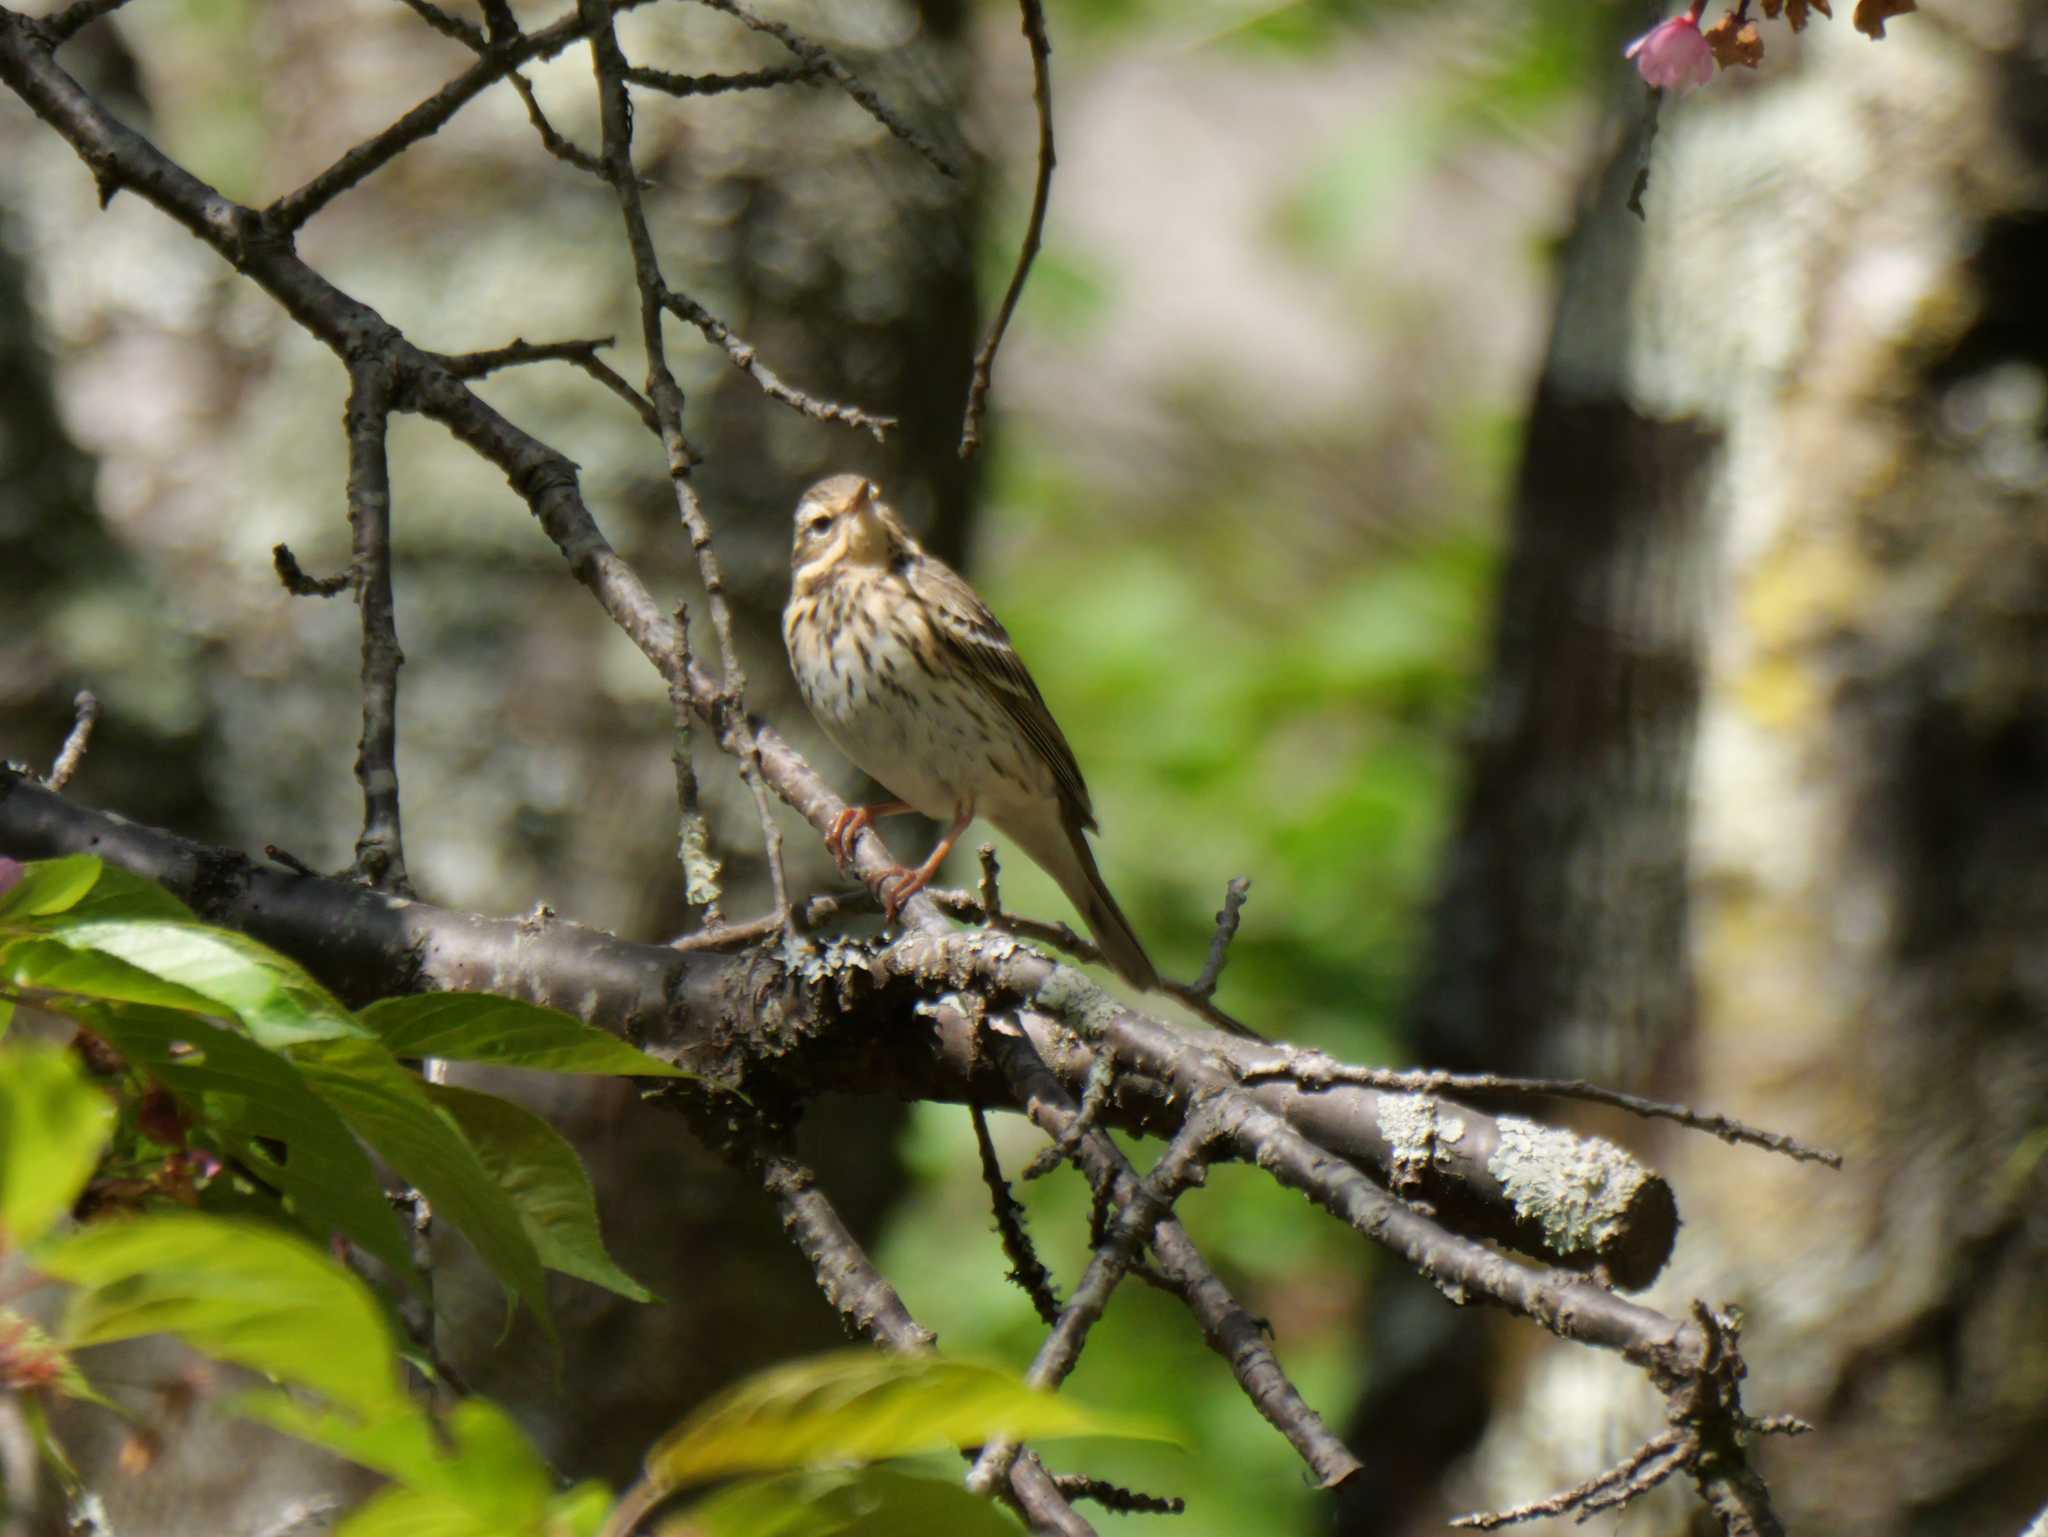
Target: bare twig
[(447, 25), (1026, 1269), (582, 353), (1034, 229), (1182, 1165), (495, 60), (701, 870), (555, 143), (380, 851), (1125, 1502), (1066, 1144), (717, 85), (820, 59), (300, 585), (748, 361), (86, 713), (1234, 895), (77, 15)]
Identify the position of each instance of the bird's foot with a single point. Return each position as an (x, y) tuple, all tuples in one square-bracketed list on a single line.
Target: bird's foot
[(899, 884)]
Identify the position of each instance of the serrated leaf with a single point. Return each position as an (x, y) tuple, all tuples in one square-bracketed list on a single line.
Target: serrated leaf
[(238, 1093), (389, 1108), (853, 1502), (477, 1027), (273, 996), (238, 1291), (540, 1171), (49, 886), (53, 1127), (862, 1406)]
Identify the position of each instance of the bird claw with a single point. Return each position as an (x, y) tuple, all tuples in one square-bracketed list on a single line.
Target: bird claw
[(896, 886), (846, 827)]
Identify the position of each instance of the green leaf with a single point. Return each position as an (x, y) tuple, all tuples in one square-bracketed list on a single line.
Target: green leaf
[(56, 967), (120, 894), (235, 1290), (273, 996), (390, 1110), (476, 1452), (473, 1474), (476, 1027), (856, 1502), (243, 1097), (540, 1171), (49, 886), (862, 1406), (53, 1127)]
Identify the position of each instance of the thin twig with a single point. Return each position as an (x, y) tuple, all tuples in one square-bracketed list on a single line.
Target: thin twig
[(447, 25), (701, 871), (79, 14), (743, 356), (1094, 1095), (380, 851), (1182, 1165), (363, 160), (581, 353), (717, 85), (1227, 920), (1642, 1470), (86, 707), (820, 59), (1034, 229), (1125, 1502), (300, 585), (1026, 1269), (555, 143)]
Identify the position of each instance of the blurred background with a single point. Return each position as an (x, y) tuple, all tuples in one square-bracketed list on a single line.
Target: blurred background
[(1611, 647)]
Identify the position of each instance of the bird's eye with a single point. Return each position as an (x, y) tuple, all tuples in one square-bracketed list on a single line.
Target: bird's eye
[(816, 524)]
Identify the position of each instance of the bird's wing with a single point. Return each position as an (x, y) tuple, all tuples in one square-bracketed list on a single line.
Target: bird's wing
[(963, 622)]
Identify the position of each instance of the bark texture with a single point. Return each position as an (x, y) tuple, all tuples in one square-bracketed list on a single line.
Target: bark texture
[(1759, 809)]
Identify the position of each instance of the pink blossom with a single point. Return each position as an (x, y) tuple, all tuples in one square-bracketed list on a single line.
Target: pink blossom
[(1672, 55)]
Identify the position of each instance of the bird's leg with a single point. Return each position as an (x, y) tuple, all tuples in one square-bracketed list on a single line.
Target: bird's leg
[(853, 821), (908, 883)]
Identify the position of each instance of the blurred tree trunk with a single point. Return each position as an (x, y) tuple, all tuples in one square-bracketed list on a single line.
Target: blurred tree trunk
[(1758, 809)]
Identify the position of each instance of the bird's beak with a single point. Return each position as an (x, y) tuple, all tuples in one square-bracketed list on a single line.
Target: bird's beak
[(864, 495)]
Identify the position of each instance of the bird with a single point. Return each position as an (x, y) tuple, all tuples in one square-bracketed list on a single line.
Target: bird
[(916, 682)]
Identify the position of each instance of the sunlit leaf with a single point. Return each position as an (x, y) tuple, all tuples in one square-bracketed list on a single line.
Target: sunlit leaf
[(53, 1126), (389, 1108), (235, 1290), (272, 995), (49, 886), (545, 1179), (863, 1406), (52, 966), (476, 1027), (853, 1502)]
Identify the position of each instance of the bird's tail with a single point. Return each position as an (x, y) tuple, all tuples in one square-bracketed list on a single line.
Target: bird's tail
[(1064, 855)]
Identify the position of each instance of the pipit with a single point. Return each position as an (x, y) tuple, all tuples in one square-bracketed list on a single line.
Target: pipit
[(915, 680)]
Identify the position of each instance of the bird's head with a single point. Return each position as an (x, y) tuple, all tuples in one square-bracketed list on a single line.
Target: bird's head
[(840, 521)]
